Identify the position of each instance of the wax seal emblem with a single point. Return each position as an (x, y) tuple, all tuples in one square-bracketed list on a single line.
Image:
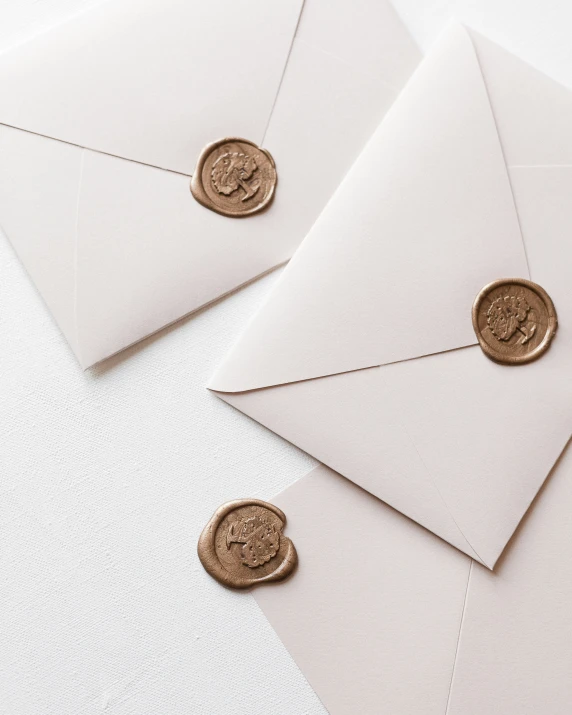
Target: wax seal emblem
[(514, 320), (243, 544), (234, 177)]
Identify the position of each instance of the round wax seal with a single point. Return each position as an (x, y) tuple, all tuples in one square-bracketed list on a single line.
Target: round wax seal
[(514, 320), (234, 177), (243, 544)]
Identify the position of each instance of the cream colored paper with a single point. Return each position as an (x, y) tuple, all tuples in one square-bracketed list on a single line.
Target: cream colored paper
[(138, 88), (383, 617), (464, 182), (371, 616)]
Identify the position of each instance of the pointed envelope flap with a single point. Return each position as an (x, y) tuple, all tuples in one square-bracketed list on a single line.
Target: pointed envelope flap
[(389, 271), (455, 441), (345, 421), (130, 250), (454, 434), (152, 80)]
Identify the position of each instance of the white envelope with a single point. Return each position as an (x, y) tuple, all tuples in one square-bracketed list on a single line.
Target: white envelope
[(383, 617), (356, 357), (102, 120)]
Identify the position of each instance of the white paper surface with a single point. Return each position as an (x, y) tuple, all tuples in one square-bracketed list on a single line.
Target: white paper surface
[(145, 253), (148, 81), (428, 214), (138, 455), (380, 617), (373, 612)]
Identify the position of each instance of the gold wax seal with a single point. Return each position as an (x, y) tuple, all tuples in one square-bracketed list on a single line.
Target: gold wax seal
[(514, 320), (234, 177), (243, 544)]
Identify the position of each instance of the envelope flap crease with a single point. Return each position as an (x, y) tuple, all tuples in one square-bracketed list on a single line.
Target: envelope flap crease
[(151, 81), (354, 435), (421, 222)]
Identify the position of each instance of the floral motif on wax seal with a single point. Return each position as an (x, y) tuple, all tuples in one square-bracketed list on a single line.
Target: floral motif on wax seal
[(243, 544), (514, 320), (234, 177)]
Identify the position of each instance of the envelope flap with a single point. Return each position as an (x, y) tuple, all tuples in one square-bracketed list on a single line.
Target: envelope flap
[(342, 421), (389, 271), (152, 80)]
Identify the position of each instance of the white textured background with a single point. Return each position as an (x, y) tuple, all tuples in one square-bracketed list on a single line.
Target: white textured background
[(107, 477)]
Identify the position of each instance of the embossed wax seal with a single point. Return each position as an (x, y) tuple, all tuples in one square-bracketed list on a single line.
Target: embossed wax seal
[(514, 320), (234, 177), (243, 544)]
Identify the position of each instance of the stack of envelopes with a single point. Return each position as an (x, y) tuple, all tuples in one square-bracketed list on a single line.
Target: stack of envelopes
[(364, 355)]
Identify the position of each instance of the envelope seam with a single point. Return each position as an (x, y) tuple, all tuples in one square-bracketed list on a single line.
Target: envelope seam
[(434, 483), (463, 612), (273, 107), (290, 655), (192, 313), (329, 374), (95, 151), (76, 258), (506, 165)]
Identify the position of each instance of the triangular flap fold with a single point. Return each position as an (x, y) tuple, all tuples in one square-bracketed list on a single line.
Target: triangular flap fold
[(389, 271), (152, 81), (455, 441), (462, 457), (342, 421)]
